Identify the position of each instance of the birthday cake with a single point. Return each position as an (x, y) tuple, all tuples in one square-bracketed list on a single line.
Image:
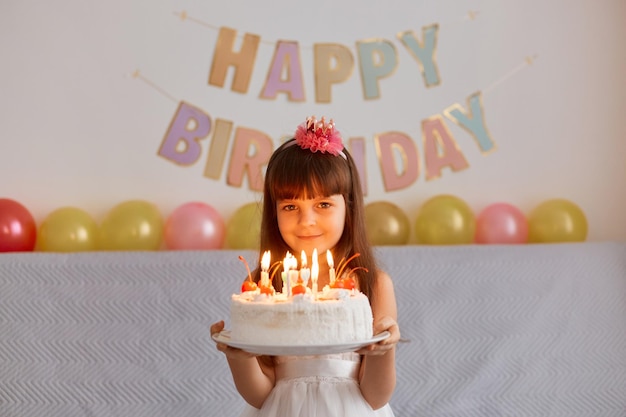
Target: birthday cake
[(300, 315), (332, 316)]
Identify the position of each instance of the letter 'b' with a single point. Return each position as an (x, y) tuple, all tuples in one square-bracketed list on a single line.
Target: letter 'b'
[(189, 126)]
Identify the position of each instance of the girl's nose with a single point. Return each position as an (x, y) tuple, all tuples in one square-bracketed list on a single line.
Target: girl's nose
[(307, 217)]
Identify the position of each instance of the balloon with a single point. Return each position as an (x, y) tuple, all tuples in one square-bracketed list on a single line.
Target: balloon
[(386, 224), (445, 220), (18, 230), (243, 230), (501, 223), (194, 226), (68, 229), (132, 225), (557, 220)]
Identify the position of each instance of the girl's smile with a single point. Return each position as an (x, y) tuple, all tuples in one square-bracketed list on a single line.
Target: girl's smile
[(308, 237)]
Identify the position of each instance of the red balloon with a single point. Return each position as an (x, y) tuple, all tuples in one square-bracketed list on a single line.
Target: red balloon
[(18, 230), (501, 223), (194, 226)]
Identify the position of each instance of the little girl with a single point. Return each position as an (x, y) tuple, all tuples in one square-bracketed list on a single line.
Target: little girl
[(313, 200)]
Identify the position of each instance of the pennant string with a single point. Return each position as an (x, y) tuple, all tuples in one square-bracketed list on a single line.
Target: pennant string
[(470, 16), (137, 75), (529, 60)]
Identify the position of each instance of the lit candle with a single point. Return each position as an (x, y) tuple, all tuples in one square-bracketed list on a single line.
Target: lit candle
[(293, 272), (315, 270), (305, 273), (283, 275), (331, 266), (287, 266), (265, 265)]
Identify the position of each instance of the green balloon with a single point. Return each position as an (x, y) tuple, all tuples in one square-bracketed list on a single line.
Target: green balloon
[(68, 229), (132, 225), (445, 220), (557, 220), (386, 224), (243, 229)]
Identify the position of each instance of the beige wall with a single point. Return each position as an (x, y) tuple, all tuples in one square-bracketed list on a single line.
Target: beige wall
[(79, 129)]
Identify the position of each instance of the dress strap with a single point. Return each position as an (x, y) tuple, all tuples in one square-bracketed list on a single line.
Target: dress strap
[(317, 367)]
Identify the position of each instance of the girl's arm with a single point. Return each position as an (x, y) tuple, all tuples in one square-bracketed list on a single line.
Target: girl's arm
[(253, 376), (378, 368)]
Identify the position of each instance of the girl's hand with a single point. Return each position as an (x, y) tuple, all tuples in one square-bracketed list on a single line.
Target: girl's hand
[(383, 324), (230, 352)]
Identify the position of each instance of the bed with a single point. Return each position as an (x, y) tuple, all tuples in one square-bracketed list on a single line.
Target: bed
[(488, 330)]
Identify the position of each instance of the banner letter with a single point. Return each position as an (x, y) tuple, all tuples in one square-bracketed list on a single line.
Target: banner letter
[(474, 122), (251, 151), (440, 148), (333, 64), (217, 149), (242, 61), (357, 150), (189, 126), (377, 59), (286, 61), (388, 144), (424, 52)]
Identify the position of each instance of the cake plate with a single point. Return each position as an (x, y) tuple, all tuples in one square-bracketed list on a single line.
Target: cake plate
[(297, 350)]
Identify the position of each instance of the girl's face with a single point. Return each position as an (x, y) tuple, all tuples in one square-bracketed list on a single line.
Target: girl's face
[(309, 224)]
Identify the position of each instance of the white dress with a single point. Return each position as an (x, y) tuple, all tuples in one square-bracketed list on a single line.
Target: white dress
[(317, 386)]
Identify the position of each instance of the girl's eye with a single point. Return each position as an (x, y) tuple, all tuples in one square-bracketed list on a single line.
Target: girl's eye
[(289, 207), (324, 204)]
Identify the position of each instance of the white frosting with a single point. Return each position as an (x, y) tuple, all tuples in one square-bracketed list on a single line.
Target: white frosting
[(337, 316)]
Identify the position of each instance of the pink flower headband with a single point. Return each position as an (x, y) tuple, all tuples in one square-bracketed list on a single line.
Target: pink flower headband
[(319, 136)]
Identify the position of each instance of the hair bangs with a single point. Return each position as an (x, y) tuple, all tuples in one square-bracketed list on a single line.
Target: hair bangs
[(312, 176)]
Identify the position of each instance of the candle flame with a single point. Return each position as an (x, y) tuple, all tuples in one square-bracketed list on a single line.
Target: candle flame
[(315, 268), (265, 261), (303, 257), (329, 258), (289, 262)]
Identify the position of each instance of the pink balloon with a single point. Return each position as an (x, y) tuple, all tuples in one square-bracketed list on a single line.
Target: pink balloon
[(18, 230), (501, 223), (194, 226)]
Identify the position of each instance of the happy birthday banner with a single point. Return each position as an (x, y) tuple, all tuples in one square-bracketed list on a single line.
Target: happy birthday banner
[(333, 64)]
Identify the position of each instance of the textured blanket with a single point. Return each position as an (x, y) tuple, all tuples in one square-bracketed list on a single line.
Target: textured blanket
[(531, 330)]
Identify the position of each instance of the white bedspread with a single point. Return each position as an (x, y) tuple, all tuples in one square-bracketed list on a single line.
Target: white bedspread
[(532, 330)]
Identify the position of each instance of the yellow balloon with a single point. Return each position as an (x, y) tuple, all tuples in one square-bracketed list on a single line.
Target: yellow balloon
[(445, 220), (67, 229), (386, 224), (243, 229), (132, 225), (557, 220)]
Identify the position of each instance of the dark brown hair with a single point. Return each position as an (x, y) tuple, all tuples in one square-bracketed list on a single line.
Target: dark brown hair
[(293, 172)]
